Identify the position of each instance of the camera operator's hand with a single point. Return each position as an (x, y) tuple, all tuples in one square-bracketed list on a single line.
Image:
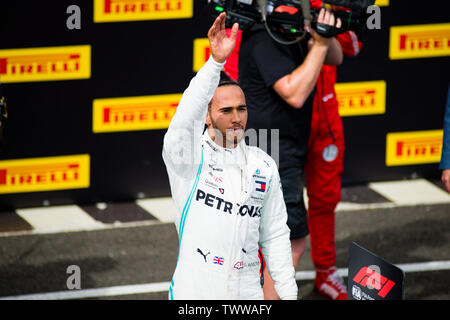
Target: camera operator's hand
[(326, 17), (221, 45)]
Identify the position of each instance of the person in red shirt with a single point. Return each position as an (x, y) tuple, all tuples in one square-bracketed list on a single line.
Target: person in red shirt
[(323, 170), (231, 66)]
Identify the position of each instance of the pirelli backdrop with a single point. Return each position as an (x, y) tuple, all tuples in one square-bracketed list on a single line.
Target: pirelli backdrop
[(88, 106)]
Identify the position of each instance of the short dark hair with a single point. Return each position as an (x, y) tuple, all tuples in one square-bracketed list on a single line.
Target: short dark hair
[(225, 80)]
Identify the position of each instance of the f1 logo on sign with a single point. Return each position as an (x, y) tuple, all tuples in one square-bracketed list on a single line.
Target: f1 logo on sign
[(372, 278)]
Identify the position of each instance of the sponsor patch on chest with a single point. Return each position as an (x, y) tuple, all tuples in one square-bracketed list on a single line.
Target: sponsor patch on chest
[(222, 205)]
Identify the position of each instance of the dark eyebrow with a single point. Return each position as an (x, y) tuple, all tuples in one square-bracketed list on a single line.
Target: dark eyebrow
[(228, 108)]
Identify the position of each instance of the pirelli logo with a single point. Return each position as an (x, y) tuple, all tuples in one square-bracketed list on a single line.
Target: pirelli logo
[(419, 41), (45, 174), (418, 147), (201, 53), (134, 10), (134, 113), (382, 3), (361, 98), (45, 64)]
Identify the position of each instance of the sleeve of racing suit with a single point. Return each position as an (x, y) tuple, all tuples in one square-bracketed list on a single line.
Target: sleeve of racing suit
[(350, 44), (182, 139), (274, 241)]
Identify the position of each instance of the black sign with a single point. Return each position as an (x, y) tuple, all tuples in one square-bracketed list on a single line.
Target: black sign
[(371, 277)]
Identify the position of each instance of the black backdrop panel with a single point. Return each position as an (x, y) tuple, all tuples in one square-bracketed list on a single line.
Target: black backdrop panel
[(415, 96), (154, 57)]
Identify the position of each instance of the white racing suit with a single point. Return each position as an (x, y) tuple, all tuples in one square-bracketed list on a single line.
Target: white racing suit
[(227, 202)]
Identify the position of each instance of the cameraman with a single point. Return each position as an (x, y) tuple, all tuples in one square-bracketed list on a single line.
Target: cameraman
[(279, 82)]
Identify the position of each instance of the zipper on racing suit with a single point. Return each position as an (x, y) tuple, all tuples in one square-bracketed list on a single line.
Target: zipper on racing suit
[(243, 182)]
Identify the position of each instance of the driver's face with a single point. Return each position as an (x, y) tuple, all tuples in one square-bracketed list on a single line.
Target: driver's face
[(227, 115)]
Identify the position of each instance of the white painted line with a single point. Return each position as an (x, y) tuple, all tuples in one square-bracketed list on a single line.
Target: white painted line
[(305, 275), (161, 208), (101, 226), (350, 206), (425, 266), (58, 218), (164, 286), (310, 275), (92, 293), (411, 192), (406, 267)]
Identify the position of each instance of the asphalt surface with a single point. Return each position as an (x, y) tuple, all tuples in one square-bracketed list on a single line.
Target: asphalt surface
[(147, 254)]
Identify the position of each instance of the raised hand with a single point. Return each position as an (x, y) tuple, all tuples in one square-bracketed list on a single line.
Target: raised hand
[(326, 17), (221, 45)]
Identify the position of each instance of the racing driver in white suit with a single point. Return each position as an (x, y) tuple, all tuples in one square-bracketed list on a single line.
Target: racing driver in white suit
[(227, 195)]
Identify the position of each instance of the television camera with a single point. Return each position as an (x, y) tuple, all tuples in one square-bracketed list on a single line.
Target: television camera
[(285, 20)]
